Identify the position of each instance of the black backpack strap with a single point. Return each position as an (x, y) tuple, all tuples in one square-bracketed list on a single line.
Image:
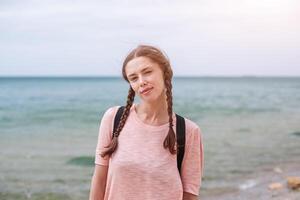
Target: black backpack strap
[(118, 118), (180, 135)]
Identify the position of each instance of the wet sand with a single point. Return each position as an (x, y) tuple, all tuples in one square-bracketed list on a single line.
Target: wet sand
[(255, 186)]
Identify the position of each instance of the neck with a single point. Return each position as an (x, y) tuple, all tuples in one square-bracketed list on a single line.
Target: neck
[(153, 113)]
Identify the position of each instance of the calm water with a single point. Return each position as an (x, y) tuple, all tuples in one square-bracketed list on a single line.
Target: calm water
[(247, 123)]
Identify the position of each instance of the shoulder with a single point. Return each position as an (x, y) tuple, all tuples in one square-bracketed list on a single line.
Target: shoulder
[(110, 112), (192, 128)]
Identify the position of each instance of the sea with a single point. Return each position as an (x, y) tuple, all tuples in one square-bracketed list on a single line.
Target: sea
[(49, 128)]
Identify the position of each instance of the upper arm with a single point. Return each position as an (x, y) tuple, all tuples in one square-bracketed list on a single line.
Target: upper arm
[(189, 196), (98, 185), (105, 135), (192, 164), (100, 173)]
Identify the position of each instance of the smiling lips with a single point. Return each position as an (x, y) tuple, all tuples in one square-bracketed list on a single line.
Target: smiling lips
[(146, 90)]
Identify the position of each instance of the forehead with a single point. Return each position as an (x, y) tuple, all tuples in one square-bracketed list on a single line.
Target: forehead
[(138, 64)]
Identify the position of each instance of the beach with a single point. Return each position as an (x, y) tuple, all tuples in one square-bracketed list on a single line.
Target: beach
[(255, 185), (49, 129)]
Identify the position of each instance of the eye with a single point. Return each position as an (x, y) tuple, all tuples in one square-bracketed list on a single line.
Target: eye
[(148, 72), (133, 79)]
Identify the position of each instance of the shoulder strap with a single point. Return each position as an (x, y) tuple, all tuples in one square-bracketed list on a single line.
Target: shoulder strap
[(118, 118), (180, 130)]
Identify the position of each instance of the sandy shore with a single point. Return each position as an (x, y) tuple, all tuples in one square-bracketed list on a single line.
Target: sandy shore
[(255, 185), (250, 187)]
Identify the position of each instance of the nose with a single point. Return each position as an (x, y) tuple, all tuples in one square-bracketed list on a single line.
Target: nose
[(142, 81)]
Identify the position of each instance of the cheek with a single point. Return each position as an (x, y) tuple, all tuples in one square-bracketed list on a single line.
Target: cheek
[(134, 87), (158, 79), (159, 84), (161, 81)]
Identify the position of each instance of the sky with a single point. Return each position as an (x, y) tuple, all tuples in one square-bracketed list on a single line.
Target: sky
[(200, 37)]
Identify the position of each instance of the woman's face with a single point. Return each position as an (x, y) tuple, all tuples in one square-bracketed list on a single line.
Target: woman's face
[(145, 78)]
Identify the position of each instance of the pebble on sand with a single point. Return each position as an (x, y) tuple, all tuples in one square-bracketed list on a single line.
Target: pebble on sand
[(275, 186), (277, 170), (293, 182)]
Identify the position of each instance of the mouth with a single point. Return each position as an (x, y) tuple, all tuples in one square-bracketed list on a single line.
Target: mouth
[(146, 91)]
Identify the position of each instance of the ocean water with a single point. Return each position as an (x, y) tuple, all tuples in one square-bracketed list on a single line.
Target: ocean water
[(49, 128)]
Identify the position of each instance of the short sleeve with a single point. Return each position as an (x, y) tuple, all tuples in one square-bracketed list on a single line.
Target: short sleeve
[(104, 136), (192, 164)]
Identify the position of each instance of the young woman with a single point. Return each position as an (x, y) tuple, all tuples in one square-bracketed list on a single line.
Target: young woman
[(139, 160)]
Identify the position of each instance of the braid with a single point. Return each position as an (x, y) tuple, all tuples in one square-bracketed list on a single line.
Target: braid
[(170, 139), (114, 142)]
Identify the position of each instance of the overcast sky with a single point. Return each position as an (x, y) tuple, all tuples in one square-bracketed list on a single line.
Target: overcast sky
[(201, 37)]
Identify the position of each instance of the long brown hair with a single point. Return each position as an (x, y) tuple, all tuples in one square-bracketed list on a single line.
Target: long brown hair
[(157, 56)]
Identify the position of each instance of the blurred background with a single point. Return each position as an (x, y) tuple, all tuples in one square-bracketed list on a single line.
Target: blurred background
[(236, 74)]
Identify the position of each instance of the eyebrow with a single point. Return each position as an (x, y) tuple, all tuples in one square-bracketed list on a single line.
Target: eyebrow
[(141, 71)]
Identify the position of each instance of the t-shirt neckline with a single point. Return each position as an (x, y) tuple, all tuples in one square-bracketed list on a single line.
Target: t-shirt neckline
[(148, 126)]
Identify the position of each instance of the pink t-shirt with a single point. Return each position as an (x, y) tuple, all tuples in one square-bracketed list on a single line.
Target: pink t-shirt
[(141, 168)]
